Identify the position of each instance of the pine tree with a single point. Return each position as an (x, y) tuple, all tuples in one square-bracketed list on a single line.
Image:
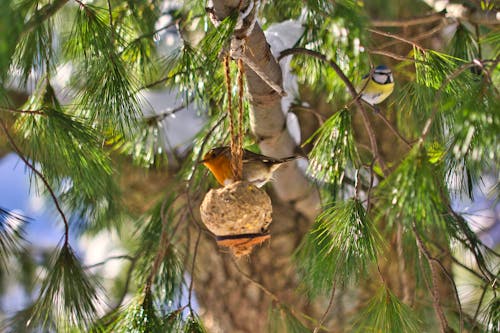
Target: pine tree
[(364, 240)]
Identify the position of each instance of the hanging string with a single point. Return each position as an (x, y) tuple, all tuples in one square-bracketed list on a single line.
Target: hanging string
[(236, 150), (241, 89)]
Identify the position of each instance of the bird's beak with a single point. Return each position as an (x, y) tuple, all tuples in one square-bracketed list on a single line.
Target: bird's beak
[(202, 161)]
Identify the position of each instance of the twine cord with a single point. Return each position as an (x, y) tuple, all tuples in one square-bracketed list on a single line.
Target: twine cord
[(236, 133)]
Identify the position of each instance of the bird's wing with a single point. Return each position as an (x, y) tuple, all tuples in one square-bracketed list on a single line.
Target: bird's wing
[(251, 156)]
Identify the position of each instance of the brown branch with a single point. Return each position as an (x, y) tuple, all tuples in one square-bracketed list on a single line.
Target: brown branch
[(457, 262), (400, 38), (435, 293), (258, 284), (408, 22), (127, 284), (34, 112), (105, 261), (390, 55), (42, 177), (393, 129), (328, 308), (352, 91), (165, 114), (419, 37)]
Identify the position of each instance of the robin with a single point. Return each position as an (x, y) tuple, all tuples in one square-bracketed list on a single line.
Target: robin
[(257, 169)]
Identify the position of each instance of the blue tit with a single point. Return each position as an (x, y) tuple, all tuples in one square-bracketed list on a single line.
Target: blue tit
[(379, 87)]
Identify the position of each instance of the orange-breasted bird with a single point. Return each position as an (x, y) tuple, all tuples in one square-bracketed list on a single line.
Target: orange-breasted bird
[(257, 169)]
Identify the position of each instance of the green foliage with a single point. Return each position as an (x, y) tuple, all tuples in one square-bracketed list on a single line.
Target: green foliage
[(339, 248), (140, 316), (12, 234), (492, 322), (68, 296), (196, 70), (463, 45), (433, 68), (169, 276), (71, 157), (11, 26), (386, 313), (34, 48), (334, 149), (335, 29), (138, 32), (474, 143), (147, 145), (105, 81), (281, 319), (193, 324), (413, 193)]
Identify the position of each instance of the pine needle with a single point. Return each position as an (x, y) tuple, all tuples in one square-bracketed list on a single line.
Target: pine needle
[(334, 149), (341, 245), (12, 235), (281, 319), (68, 296), (386, 313)]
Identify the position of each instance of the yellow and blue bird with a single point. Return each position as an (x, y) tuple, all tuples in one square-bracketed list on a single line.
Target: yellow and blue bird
[(376, 89)]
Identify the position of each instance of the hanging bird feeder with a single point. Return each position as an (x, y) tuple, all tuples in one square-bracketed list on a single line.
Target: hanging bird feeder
[(239, 215)]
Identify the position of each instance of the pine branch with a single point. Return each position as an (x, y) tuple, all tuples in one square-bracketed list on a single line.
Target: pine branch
[(42, 177), (105, 261), (33, 112), (43, 14), (352, 91), (386, 313), (12, 235), (437, 98)]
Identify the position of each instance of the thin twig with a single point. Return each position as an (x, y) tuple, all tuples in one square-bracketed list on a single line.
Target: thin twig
[(42, 177), (403, 39), (191, 282), (480, 303), (393, 129), (152, 33), (457, 262), (390, 55), (417, 38), (105, 261), (435, 293), (159, 81), (161, 116), (408, 22), (319, 117), (163, 247), (111, 27), (258, 284), (127, 283), (328, 308)]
